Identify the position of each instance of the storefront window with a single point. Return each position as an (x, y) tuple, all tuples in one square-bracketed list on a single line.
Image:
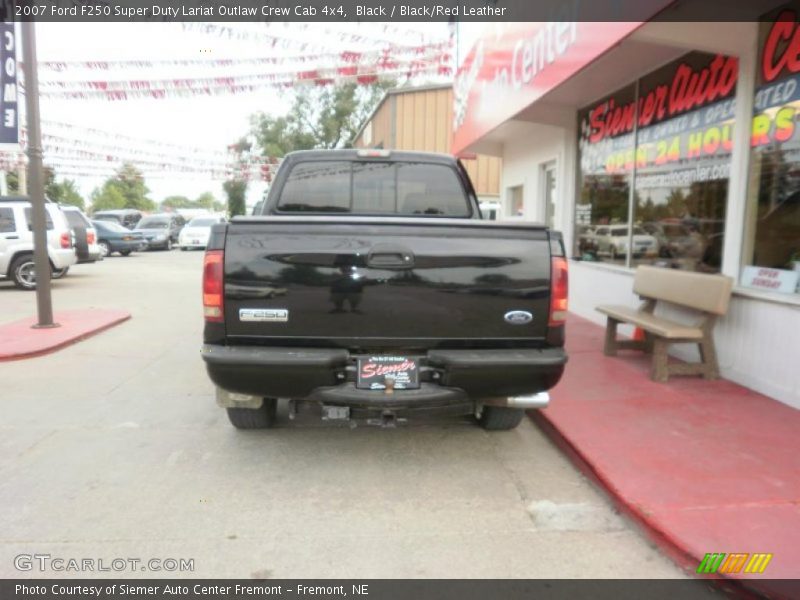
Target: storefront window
[(684, 162), (772, 234), (681, 127), (606, 166)]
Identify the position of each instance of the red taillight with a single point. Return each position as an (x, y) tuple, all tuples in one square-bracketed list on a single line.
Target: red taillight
[(213, 287), (66, 240), (558, 291), (90, 237)]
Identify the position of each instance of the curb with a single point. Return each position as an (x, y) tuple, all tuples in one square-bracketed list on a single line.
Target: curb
[(76, 326)]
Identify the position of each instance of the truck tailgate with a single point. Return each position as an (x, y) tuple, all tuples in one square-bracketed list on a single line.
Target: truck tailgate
[(402, 282)]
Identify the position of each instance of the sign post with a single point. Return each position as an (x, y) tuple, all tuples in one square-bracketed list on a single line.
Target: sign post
[(44, 302)]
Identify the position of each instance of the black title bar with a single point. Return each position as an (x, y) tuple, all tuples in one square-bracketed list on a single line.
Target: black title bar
[(367, 589), (384, 10)]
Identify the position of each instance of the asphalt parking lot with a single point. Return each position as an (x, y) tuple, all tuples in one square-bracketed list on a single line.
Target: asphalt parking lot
[(114, 448)]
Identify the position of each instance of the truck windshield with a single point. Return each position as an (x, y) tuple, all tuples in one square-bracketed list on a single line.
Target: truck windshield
[(374, 187)]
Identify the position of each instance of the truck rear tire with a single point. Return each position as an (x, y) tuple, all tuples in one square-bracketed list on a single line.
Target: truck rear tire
[(500, 418), (254, 418)]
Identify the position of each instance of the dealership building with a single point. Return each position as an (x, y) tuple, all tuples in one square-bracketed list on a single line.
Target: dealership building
[(627, 137)]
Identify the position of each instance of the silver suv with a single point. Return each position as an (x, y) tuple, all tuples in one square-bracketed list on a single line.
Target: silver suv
[(16, 241)]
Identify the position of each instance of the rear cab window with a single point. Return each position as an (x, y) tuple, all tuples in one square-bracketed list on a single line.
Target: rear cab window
[(374, 188)]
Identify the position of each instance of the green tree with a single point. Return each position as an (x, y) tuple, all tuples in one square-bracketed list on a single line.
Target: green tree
[(176, 202), (236, 190), (205, 200), (65, 192), (676, 203), (107, 198), (320, 117), (12, 181), (128, 182)]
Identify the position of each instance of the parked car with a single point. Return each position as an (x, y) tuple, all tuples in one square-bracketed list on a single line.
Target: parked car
[(127, 217), (161, 230), (365, 245), (196, 232), (16, 241), (113, 237), (612, 241), (85, 235)]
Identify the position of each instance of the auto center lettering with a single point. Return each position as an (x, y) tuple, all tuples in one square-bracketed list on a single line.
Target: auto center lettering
[(684, 134), (529, 56), (774, 60), (688, 90)]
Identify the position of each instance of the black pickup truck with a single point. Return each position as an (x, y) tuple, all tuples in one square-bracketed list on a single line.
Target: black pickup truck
[(369, 285)]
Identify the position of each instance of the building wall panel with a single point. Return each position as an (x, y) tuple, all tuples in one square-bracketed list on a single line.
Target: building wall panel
[(422, 121)]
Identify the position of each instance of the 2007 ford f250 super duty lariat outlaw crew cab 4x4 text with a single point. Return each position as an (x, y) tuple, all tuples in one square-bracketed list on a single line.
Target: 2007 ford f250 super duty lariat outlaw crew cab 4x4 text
[(369, 285)]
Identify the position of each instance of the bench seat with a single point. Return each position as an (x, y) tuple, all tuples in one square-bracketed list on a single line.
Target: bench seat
[(706, 295), (651, 323)]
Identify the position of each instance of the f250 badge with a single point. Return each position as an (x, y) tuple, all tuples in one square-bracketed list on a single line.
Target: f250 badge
[(268, 315), (518, 317)]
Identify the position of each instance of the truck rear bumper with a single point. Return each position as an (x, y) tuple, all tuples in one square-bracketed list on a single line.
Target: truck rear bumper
[(327, 375)]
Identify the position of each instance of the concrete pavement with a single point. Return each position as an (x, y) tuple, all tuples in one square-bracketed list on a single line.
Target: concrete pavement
[(114, 448)]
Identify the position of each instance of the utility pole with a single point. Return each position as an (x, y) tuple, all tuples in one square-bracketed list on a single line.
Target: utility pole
[(44, 303)]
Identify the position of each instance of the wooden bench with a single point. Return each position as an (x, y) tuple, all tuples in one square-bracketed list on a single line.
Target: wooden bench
[(708, 295)]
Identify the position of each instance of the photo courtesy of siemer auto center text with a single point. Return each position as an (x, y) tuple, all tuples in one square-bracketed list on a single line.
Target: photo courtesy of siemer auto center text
[(400, 299)]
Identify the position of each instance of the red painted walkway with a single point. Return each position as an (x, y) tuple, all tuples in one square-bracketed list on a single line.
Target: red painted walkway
[(18, 340), (709, 466)]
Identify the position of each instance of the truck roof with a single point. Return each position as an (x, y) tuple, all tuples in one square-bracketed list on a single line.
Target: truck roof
[(362, 154)]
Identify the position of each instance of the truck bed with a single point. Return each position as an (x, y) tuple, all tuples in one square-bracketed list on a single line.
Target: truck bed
[(367, 282)]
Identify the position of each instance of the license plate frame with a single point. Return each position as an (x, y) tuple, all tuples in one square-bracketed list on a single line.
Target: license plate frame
[(374, 370)]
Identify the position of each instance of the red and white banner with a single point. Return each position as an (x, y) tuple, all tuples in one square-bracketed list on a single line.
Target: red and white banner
[(92, 137), (276, 40), (165, 88), (439, 52)]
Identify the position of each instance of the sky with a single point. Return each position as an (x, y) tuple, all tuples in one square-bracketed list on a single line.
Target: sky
[(204, 122)]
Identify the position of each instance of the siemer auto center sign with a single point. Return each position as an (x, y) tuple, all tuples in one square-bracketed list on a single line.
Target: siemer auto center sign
[(515, 64)]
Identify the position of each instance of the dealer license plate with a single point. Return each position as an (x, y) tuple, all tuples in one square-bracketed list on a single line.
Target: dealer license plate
[(374, 371)]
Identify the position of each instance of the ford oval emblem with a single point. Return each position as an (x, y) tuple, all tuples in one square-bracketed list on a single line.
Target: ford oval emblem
[(518, 317)]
